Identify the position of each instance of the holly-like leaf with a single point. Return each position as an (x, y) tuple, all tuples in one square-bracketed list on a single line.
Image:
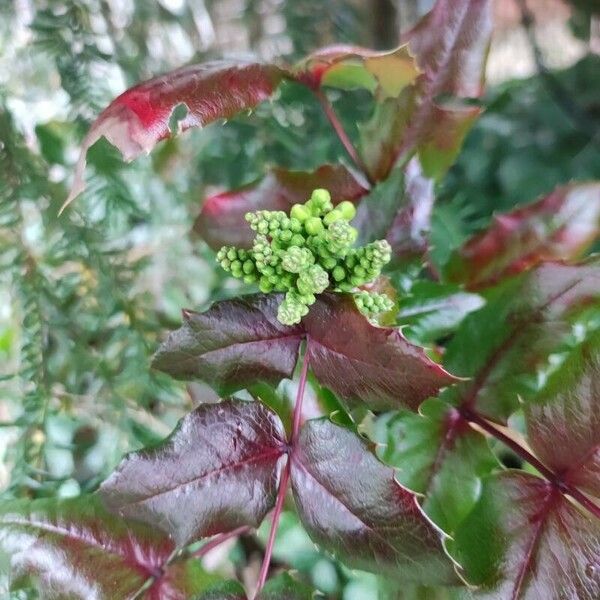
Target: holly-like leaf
[(237, 342), (563, 423), (284, 586), (560, 226), (352, 67), (221, 221), (432, 116), (505, 346), (233, 344), (525, 541), (75, 549), (351, 505), (215, 472), (191, 96), (437, 453)]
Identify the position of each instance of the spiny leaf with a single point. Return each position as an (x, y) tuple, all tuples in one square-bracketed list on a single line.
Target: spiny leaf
[(215, 472), (221, 221), (508, 343), (75, 549), (431, 116), (560, 226), (237, 342), (233, 344), (352, 506), (437, 453), (563, 423), (140, 117), (525, 541)]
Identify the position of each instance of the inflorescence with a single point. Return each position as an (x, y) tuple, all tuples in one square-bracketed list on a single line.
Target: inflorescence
[(306, 253)]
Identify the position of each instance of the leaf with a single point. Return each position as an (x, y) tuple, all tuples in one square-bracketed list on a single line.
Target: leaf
[(505, 347), (140, 117), (285, 587), (237, 342), (233, 344), (563, 423), (351, 505), (431, 310), (352, 67), (215, 472), (75, 549), (438, 454), (525, 541), (432, 116), (221, 221), (560, 226), (364, 363), (226, 590)]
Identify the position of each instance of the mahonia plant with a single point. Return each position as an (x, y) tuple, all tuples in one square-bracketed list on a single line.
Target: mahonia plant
[(391, 470), (306, 253)]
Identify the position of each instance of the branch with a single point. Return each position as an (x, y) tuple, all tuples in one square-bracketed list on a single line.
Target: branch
[(219, 539)]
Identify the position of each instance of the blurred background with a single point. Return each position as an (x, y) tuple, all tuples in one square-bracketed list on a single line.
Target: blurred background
[(84, 298)]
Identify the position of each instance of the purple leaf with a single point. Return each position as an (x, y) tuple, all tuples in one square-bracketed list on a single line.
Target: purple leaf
[(221, 221), (215, 472), (75, 549), (232, 344), (560, 226), (139, 118), (351, 505), (525, 541)]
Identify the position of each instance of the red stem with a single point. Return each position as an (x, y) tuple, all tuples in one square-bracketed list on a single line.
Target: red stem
[(341, 133), (285, 476), (564, 486), (219, 539)]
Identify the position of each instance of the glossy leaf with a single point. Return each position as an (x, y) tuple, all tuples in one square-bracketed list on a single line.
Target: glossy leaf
[(221, 221), (437, 453), (142, 116), (558, 227), (352, 506), (525, 541), (505, 346), (364, 363), (215, 472), (233, 344), (352, 67), (237, 342), (75, 549), (563, 424), (431, 117)]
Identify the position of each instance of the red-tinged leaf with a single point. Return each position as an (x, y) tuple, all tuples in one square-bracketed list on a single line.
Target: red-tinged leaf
[(139, 118), (75, 549), (430, 117), (217, 471), (364, 363), (233, 344), (563, 424), (351, 505), (438, 454), (351, 67), (506, 346), (236, 343), (560, 226), (221, 221), (525, 541)]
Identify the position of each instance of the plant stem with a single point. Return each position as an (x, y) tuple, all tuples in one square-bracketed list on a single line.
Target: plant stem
[(555, 479), (219, 539), (285, 476), (342, 135)]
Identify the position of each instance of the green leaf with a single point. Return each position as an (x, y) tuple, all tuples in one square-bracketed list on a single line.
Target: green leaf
[(438, 454), (226, 590), (352, 506), (75, 549), (284, 586), (215, 472), (524, 540)]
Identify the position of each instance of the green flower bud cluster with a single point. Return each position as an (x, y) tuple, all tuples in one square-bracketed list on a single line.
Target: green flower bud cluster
[(371, 304), (306, 253)]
